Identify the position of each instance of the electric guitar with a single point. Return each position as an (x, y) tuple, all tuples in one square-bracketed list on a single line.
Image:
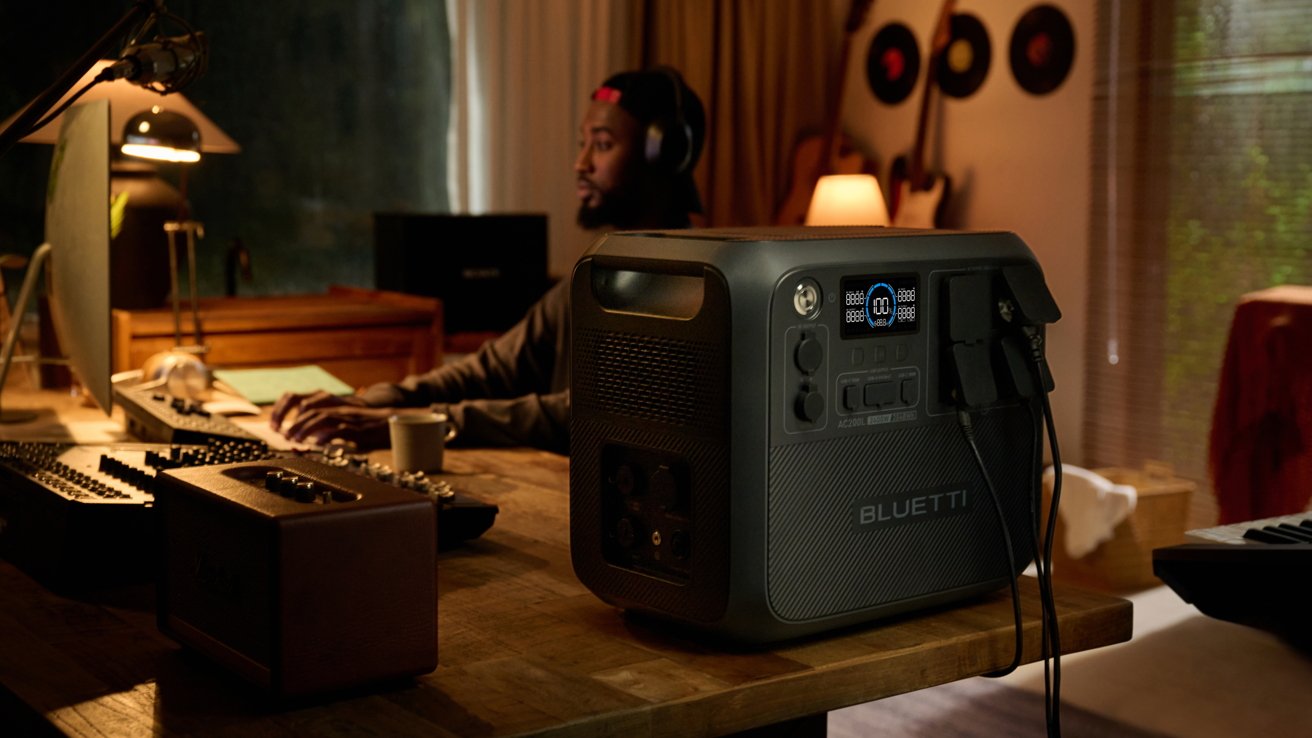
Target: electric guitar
[(831, 153), (919, 196)]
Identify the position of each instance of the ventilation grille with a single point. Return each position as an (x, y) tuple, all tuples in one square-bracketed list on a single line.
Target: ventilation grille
[(666, 380)]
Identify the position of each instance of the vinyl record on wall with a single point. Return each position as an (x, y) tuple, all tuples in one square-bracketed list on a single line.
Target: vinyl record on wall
[(893, 63), (1042, 49), (966, 61)]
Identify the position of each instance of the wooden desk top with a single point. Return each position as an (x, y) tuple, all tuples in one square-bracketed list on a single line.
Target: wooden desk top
[(524, 648)]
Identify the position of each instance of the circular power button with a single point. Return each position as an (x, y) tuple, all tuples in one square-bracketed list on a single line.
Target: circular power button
[(806, 298)]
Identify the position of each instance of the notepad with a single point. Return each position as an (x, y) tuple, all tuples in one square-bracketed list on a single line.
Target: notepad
[(263, 386)]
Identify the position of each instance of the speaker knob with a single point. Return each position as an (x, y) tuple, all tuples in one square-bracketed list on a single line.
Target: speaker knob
[(810, 405), (810, 354)]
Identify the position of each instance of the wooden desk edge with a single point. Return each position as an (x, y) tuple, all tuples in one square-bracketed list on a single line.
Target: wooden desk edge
[(1104, 620)]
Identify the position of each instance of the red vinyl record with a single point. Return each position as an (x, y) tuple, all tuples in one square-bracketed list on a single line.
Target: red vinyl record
[(1042, 49), (893, 63), (966, 60)]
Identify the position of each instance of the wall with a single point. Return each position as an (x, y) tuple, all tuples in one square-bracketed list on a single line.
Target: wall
[(1018, 162)]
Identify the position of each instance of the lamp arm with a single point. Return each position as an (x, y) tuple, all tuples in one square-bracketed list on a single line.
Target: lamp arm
[(32, 113)]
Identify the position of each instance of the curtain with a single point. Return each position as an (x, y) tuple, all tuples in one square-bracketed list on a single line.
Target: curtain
[(765, 71), (522, 76), (1202, 183)]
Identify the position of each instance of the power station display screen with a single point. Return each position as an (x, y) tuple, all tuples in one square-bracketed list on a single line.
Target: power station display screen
[(879, 305)]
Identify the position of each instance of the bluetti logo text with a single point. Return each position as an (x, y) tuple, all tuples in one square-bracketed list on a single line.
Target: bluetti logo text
[(911, 507)]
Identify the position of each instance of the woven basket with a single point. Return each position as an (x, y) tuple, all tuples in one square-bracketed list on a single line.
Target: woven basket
[(1125, 561)]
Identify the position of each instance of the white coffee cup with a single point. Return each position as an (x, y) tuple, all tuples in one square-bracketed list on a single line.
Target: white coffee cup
[(419, 440)]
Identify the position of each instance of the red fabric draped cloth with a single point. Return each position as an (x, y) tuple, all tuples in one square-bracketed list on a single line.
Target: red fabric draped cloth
[(1261, 444)]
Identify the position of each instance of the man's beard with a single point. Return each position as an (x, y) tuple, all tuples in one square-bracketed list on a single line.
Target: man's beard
[(621, 213)]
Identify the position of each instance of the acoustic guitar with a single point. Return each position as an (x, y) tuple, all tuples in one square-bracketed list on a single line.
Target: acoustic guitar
[(917, 195), (832, 152)]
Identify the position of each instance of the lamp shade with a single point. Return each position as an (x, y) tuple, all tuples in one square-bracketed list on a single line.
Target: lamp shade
[(847, 199), (125, 101), (162, 135)]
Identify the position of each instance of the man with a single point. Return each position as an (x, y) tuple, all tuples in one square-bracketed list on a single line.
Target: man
[(639, 141)]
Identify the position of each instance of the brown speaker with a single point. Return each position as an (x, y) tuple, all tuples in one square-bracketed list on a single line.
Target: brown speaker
[(299, 577)]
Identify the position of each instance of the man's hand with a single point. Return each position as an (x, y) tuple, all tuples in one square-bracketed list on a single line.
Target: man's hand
[(320, 417)]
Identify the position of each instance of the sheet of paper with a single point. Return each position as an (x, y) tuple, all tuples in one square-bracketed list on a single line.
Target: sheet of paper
[(264, 386)]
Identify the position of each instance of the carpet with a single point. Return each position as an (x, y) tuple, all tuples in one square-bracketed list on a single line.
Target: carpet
[(974, 708)]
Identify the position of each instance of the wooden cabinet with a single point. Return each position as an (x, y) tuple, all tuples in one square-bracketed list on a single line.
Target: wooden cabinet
[(361, 336)]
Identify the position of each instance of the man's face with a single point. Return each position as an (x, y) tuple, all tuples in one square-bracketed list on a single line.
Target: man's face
[(608, 167)]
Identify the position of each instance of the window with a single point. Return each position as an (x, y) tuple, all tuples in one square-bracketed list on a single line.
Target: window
[(1202, 193)]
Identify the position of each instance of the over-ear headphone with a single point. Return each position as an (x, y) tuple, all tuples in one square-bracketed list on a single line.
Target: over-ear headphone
[(669, 138)]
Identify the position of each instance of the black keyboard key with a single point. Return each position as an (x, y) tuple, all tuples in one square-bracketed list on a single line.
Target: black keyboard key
[(1269, 534), (1297, 531)]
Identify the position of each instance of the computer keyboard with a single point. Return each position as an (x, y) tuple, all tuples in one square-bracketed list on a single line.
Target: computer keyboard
[(154, 416)]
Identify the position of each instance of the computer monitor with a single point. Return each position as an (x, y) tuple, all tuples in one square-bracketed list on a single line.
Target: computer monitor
[(77, 249), (487, 269)]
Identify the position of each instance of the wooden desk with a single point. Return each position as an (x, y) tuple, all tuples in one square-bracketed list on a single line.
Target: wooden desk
[(523, 649), (361, 336)]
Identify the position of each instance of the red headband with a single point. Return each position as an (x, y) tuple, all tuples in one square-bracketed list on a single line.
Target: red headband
[(607, 94)]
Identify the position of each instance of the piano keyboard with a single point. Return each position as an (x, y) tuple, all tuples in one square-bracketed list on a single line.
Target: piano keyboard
[(1247, 573), (1283, 529)]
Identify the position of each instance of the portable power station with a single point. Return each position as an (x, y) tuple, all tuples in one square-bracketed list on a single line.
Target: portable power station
[(766, 432)]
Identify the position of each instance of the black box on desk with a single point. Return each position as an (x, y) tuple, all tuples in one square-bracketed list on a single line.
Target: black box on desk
[(316, 581)]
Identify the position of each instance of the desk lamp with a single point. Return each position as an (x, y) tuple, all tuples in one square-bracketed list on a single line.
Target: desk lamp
[(163, 135), (847, 199), (145, 200)]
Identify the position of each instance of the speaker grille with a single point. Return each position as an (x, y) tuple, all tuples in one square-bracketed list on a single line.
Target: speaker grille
[(656, 378)]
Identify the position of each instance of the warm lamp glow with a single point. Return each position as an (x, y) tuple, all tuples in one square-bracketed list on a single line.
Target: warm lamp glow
[(162, 135), (847, 199), (161, 153)]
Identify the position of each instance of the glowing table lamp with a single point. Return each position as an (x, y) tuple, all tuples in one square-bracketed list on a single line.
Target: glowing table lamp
[(847, 199)]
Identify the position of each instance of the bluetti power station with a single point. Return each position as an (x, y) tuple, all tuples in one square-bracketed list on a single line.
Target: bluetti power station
[(766, 432)]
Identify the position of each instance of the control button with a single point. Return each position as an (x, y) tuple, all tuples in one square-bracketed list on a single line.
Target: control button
[(880, 394), (810, 354), (810, 406), (910, 391), (901, 351), (851, 397), (858, 357), (881, 354)]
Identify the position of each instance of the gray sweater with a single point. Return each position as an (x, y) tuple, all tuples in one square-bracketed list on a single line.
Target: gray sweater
[(513, 391)]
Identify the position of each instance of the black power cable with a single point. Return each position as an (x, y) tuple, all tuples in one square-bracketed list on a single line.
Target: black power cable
[(1028, 309)]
